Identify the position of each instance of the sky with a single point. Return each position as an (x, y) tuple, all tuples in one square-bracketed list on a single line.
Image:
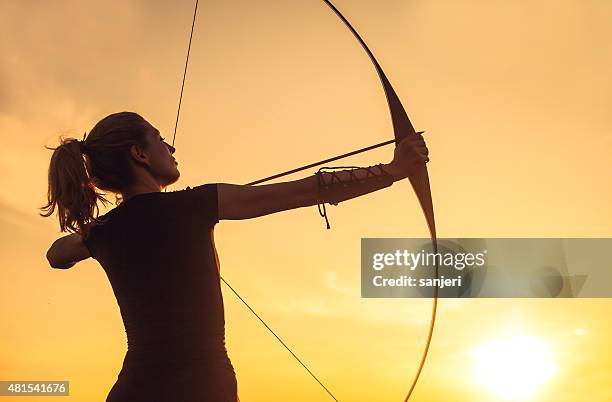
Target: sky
[(515, 99)]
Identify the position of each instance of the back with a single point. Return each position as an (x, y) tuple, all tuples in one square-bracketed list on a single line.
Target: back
[(158, 252)]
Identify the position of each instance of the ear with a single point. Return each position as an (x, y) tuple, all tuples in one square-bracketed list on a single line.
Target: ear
[(138, 154)]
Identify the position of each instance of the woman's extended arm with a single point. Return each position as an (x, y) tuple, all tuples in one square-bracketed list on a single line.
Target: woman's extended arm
[(67, 251), (244, 201)]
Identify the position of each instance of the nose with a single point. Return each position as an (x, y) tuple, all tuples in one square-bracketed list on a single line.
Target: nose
[(170, 148)]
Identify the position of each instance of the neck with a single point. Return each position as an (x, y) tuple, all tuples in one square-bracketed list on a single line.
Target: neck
[(140, 188)]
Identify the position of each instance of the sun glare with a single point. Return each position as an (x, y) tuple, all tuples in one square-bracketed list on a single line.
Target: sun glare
[(515, 367)]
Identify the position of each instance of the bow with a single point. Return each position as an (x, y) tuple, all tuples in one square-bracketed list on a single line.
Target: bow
[(402, 127)]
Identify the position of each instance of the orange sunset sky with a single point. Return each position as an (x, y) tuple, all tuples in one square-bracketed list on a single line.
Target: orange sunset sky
[(515, 98)]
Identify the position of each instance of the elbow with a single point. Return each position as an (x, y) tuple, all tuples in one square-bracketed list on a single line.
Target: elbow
[(51, 258), (53, 262)]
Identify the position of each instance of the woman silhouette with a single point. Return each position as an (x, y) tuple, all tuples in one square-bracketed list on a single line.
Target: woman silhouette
[(157, 248)]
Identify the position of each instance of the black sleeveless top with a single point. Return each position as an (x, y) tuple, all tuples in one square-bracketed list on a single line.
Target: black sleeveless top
[(158, 252)]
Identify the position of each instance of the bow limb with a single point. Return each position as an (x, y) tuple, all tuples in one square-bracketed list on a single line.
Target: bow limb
[(402, 127)]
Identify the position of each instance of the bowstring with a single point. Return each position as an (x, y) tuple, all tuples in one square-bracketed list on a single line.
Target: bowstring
[(180, 102), (178, 113)]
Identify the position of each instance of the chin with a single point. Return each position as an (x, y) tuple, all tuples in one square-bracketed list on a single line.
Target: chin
[(173, 178)]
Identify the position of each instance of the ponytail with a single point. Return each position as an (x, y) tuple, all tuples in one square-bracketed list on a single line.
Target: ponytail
[(70, 189), (102, 161)]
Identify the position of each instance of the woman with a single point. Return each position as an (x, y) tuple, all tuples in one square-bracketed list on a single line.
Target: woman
[(157, 248)]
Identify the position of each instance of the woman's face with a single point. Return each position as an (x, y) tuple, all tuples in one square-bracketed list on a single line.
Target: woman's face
[(162, 164)]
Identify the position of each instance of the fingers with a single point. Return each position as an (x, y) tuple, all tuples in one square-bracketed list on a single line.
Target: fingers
[(419, 146), (419, 162), (413, 145), (423, 150), (424, 159), (419, 139), (416, 140), (409, 149)]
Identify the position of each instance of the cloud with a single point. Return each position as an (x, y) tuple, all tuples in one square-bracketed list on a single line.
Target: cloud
[(331, 282)]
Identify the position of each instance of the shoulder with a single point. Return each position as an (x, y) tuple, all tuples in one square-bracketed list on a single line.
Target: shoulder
[(94, 232), (202, 192), (202, 200), (97, 225), (208, 187)]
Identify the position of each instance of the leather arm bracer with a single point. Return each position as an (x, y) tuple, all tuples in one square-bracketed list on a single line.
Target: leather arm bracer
[(332, 189)]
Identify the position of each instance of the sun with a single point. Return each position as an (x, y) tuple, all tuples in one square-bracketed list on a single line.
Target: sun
[(513, 367)]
